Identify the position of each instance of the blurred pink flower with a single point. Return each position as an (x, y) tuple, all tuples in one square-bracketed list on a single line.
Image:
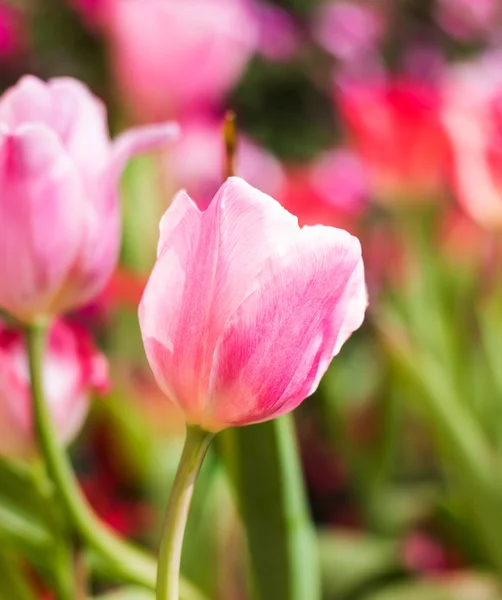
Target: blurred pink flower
[(59, 210), (173, 57), (278, 35), (340, 178), (71, 369), (472, 117), (13, 35), (195, 162), (333, 190), (395, 126), (468, 20), (421, 553), (348, 30), (244, 310)]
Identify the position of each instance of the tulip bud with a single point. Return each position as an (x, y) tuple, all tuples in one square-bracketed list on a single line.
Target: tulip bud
[(244, 310), (59, 211), (72, 368)]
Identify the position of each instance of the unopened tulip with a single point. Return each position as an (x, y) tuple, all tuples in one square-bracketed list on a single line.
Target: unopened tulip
[(472, 117), (173, 56), (59, 210), (244, 310), (395, 126), (72, 368)]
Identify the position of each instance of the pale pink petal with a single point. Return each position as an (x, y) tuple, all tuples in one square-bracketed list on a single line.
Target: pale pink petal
[(280, 341), (101, 223), (207, 263), (80, 120), (27, 102), (138, 140), (40, 214), (475, 184)]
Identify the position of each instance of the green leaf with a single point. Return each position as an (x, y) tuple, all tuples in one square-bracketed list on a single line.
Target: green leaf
[(13, 583), (264, 465), (351, 560), (128, 594)]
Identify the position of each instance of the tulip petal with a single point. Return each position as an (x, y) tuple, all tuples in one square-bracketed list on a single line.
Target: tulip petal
[(280, 341), (139, 140), (101, 222), (207, 264), (40, 211)]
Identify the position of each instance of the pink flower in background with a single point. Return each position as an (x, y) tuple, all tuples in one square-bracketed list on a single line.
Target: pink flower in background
[(173, 57), (395, 126), (278, 35), (340, 178), (244, 310), (468, 20), (348, 30), (195, 162), (472, 117), (333, 190), (72, 368), (13, 35), (59, 211)]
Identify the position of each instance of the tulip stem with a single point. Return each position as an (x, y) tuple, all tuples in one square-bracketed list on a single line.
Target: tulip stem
[(196, 444), (230, 140), (128, 562)]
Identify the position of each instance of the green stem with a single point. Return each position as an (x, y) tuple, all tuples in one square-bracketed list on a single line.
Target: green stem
[(196, 444), (131, 564)]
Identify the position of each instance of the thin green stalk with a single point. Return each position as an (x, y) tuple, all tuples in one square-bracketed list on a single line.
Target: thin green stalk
[(264, 464), (196, 444), (130, 563)]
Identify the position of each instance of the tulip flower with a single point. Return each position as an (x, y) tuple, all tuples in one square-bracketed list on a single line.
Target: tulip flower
[(72, 368), (59, 210), (396, 128), (175, 56), (240, 319), (244, 310), (472, 117)]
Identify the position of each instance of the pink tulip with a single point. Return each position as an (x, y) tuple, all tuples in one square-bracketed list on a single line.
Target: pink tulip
[(59, 211), (72, 368), (195, 163), (395, 126), (175, 56), (472, 117), (244, 310)]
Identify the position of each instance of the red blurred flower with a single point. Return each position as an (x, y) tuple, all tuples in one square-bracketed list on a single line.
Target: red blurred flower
[(395, 126)]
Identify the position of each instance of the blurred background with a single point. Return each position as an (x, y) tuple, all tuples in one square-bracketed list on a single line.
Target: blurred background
[(380, 117)]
